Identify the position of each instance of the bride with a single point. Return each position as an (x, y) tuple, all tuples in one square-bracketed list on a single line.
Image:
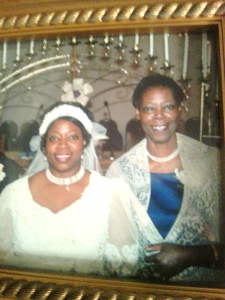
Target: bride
[(66, 218)]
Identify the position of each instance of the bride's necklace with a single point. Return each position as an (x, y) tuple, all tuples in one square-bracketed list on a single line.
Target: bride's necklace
[(163, 159), (65, 181)]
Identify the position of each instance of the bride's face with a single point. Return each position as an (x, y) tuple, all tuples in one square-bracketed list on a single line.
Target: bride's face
[(64, 147)]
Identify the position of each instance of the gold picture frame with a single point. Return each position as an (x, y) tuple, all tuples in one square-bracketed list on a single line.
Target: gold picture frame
[(23, 19)]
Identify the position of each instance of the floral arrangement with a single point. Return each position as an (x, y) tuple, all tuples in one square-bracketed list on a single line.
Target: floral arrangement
[(76, 91), (2, 174)]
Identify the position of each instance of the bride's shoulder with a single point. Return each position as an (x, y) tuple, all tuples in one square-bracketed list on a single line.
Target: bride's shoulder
[(15, 187), (103, 183), (36, 176), (99, 178), (37, 180), (96, 177)]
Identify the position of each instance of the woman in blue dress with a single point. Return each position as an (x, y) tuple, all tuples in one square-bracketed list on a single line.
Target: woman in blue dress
[(177, 182)]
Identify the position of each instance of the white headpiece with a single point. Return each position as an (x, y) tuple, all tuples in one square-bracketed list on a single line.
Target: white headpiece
[(65, 110)]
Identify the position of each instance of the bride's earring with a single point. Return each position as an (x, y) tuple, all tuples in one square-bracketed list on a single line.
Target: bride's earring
[(82, 155), (45, 158)]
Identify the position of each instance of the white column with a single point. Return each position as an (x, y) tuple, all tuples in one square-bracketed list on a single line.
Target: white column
[(186, 41), (18, 51), (151, 44), (4, 55), (166, 46), (32, 47)]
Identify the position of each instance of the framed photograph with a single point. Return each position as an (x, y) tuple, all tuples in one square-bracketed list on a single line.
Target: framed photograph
[(52, 36)]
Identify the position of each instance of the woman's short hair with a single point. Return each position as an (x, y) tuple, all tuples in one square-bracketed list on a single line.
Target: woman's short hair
[(85, 134), (157, 81)]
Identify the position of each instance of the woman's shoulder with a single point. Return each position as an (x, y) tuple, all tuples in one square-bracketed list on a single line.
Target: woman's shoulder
[(16, 187), (194, 148), (141, 146), (200, 159), (129, 160)]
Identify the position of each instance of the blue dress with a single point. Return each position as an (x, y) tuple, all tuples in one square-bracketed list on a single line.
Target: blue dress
[(165, 201)]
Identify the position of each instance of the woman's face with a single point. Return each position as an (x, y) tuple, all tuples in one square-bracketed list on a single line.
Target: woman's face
[(158, 114), (64, 147)]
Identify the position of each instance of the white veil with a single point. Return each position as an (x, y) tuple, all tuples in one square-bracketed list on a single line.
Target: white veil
[(90, 160)]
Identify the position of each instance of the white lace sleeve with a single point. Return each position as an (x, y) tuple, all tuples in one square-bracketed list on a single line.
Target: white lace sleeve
[(6, 225), (122, 251)]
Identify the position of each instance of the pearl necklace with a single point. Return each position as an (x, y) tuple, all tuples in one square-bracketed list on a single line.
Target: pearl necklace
[(65, 181), (163, 159)]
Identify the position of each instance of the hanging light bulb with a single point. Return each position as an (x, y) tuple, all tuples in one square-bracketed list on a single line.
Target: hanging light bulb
[(17, 60), (120, 47), (185, 86), (91, 52), (106, 52), (151, 58), (58, 45), (184, 81), (4, 60), (31, 53), (152, 64), (136, 53), (167, 67), (44, 47), (135, 61)]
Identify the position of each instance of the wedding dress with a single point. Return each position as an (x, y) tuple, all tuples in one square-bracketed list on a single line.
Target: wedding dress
[(94, 235)]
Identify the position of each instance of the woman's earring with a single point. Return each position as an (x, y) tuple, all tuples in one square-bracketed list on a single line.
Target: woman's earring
[(82, 156), (45, 158)]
